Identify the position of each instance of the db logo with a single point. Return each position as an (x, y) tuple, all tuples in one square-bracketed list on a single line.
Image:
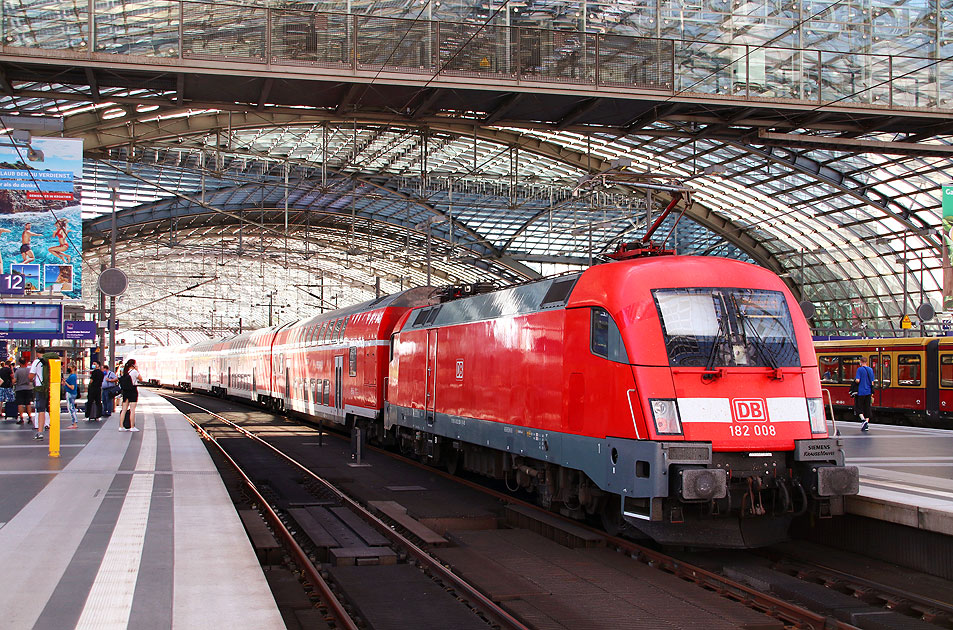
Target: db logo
[(460, 369), (749, 410)]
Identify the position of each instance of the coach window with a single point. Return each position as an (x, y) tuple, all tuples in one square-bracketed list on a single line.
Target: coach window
[(946, 370), (604, 339), (344, 326), (352, 362), (327, 392), (828, 367), (337, 330), (849, 367), (908, 370)]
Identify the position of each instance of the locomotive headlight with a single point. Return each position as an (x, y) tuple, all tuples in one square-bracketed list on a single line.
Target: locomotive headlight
[(815, 411), (665, 415)]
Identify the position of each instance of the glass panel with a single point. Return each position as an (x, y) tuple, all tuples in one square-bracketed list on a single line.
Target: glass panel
[(317, 39), (908, 370), (48, 25), (726, 327), (849, 367), (406, 45), (145, 28), (855, 78), (223, 31), (476, 50), (915, 83), (636, 61), (711, 68), (946, 370)]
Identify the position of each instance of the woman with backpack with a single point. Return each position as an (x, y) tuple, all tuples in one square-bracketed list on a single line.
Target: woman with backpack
[(128, 382)]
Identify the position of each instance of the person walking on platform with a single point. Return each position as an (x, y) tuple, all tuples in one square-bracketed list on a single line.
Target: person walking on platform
[(130, 394), (94, 394), (71, 385), (23, 390), (7, 396), (865, 388), (40, 373)]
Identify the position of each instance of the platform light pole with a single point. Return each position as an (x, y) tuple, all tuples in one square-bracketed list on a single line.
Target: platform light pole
[(114, 195)]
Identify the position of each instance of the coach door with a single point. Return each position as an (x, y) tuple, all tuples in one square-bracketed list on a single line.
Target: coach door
[(878, 363), (431, 395), (338, 382)]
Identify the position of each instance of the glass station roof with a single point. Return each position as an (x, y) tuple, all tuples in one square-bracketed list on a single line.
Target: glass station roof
[(222, 222)]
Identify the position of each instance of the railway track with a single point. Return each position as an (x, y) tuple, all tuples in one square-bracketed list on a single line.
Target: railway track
[(457, 588), (751, 593)]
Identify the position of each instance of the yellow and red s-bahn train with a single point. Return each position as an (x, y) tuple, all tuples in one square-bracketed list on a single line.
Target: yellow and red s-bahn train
[(913, 377)]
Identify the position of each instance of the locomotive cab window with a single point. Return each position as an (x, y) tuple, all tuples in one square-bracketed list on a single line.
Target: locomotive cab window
[(946, 370), (908, 370), (726, 327), (605, 340)]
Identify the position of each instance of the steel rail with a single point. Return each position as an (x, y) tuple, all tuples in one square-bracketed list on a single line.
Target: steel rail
[(301, 558), (482, 602)]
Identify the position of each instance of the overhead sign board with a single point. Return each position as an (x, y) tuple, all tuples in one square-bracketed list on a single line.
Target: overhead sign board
[(31, 321), (79, 330), (946, 193)]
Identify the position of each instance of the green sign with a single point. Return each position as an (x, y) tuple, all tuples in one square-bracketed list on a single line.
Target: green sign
[(947, 223), (947, 202)]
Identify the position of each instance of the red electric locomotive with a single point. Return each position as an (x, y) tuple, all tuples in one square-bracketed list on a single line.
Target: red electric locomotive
[(678, 396)]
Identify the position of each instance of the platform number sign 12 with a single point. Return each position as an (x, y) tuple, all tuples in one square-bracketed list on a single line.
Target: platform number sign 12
[(12, 284)]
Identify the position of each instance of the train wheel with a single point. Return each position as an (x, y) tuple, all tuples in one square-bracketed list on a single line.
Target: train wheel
[(452, 460), (610, 516)]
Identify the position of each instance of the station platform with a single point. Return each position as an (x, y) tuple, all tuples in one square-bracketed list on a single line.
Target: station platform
[(124, 530), (906, 474)]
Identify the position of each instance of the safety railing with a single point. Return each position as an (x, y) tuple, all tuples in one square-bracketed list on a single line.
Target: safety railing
[(281, 37)]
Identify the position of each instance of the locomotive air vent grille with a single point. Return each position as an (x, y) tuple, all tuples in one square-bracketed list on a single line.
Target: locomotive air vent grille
[(688, 454), (558, 293)]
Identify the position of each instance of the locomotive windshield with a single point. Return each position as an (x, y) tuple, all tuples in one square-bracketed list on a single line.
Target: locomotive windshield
[(726, 327)]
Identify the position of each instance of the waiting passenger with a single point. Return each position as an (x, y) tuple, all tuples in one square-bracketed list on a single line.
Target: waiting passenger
[(129, 382), (865, 388), (94, 394), (23, 390), (71, 385)]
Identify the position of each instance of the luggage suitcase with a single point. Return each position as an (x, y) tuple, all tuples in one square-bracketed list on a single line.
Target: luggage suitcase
[(10, 409), (126, 424)]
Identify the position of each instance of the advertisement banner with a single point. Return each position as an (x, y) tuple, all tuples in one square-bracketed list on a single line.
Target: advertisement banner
[(41, 227), (947, 194)]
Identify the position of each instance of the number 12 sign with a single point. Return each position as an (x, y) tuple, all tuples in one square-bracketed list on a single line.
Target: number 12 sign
[(12, 284)]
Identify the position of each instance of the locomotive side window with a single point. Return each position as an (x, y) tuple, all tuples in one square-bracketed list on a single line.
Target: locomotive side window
[(908, 370), (828, 368), (605, 340), (726, 327), (946, 370)]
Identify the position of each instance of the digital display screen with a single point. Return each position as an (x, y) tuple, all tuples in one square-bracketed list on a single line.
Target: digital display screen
[(30, 319)]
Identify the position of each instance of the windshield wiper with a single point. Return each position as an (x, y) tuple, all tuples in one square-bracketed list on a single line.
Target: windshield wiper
[(759, 344), (721, 336)]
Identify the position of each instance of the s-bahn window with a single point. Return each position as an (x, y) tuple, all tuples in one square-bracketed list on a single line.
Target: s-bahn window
[(946, 370), (726, 327), (885, 371), (604, 339), (908, 369), (849, 367), (828, 368)]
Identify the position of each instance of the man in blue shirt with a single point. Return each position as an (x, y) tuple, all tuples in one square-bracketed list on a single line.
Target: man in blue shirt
[(865, 387)]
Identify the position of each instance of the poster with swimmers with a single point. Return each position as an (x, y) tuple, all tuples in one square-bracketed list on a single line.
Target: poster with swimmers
[(41, 225)]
